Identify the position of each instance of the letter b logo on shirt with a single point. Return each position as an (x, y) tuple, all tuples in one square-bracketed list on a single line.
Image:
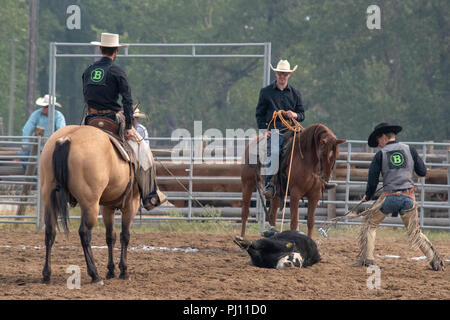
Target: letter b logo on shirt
[(396, 159), (97, 75)]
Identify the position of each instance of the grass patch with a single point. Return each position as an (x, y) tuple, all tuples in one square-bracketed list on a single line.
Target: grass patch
[(230, 227)]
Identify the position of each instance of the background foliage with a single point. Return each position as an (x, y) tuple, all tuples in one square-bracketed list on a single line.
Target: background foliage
[(351, 78)]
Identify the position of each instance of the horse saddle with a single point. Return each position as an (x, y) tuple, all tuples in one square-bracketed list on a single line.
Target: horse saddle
[(113, 129), (104, 123)]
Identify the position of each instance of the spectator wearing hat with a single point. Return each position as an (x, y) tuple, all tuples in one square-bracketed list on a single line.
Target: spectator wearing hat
[(141, 129), (39, 118), (279, 95), (397, 163)]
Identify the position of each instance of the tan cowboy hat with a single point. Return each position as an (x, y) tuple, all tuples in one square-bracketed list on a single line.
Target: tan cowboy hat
[(138, 114), (283, 66), (45, 101), (109, 40)]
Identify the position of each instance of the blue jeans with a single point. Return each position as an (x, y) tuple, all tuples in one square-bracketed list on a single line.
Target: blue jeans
[(24, 153), (396, 205), (274, 154)]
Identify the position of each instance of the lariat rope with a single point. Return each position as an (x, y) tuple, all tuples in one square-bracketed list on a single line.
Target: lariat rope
[(296, 127)]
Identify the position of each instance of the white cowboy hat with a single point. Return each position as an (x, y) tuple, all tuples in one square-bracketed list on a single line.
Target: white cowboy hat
[(283, 66), (138, 114), (109, 40), (45, 101)]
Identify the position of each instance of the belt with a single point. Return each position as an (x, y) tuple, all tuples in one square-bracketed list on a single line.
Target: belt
[(402, 192), (96, 111)]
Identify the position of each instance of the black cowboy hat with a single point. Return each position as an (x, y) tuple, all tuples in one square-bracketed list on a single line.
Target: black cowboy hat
[(381, 128)]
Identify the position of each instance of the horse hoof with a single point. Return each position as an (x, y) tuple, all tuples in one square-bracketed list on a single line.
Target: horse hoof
[(110, 275), (125, 276), (45, 281), (98, 281)]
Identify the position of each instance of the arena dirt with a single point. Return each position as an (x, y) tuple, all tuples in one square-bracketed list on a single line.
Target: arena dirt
[(218, 270)]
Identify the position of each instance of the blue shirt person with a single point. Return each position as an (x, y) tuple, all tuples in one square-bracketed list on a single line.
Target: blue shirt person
[(39, 118), (141, 129)]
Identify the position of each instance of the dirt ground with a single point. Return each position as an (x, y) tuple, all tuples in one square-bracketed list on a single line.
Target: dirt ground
[(210, 266)]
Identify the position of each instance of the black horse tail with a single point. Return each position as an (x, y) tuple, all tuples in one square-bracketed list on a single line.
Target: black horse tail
[(60, 196)]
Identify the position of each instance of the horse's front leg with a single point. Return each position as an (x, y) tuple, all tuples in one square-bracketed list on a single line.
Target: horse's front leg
[(248, 184), (108, 219), (273, 210), (88, 220), (312, 205), (294, 199)]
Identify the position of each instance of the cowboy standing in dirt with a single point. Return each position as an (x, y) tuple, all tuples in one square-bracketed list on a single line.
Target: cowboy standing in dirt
[(278, 95), (103, 81), (396, 162)]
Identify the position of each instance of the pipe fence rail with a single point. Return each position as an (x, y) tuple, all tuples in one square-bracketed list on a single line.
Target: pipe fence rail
[(20, 201), (201, 176)]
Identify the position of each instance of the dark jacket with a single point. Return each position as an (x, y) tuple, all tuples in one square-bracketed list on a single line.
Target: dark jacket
[(103, 81), (273, 99)]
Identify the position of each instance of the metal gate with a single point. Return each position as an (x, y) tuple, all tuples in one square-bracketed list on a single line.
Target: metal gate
[(350, 174), (20, 200)]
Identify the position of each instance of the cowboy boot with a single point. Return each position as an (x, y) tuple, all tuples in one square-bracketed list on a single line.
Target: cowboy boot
[(418, 240), (269, 188), (154, 199)]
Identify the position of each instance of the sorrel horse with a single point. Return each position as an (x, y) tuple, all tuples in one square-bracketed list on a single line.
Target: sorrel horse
[(315, 152), (80, 165)]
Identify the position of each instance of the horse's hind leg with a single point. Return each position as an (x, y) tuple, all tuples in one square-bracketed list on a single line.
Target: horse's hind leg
[(108, 219), (88, 220), (50, 234), (128, 215)]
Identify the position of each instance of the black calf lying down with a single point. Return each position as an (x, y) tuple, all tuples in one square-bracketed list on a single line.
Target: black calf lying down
[(281, 250)]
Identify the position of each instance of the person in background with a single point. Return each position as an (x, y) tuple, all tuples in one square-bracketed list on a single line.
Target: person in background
[(39, 118), (140, 128)]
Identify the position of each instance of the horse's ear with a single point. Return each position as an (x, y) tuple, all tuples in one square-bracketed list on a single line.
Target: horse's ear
[(339, 141)]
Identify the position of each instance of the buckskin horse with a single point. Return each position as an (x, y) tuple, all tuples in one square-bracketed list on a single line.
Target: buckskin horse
[(314, 157), (80, 165)]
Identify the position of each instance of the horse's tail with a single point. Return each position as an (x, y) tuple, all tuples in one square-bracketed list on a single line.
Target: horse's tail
[(60, 196)]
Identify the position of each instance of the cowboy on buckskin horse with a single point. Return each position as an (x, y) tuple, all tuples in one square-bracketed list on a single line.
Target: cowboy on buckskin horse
[(396, 162), (103, 81), (277, 96)]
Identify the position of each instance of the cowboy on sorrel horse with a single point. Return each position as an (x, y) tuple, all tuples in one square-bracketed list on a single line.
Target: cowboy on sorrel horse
[(80, 165), (313, 159)]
